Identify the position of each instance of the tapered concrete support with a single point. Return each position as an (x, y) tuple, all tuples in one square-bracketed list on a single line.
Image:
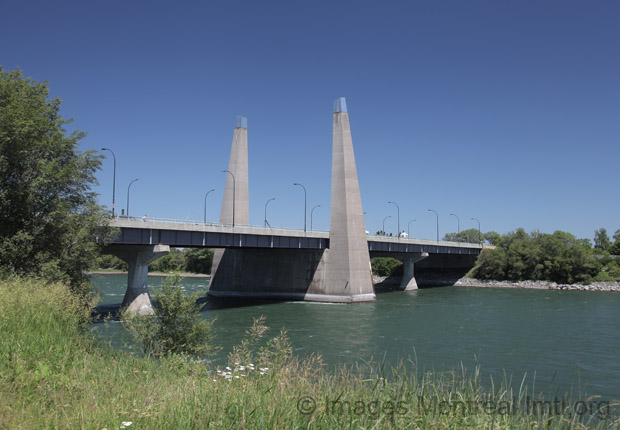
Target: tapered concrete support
[(137, 298), (408, 282), (347, 276), (235, 203), (237, 186)]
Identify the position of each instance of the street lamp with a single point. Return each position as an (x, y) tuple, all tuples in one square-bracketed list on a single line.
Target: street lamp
[(317, 206), (204, 220), (114, 179), (408, 234), (383, 229), (398, 210), (234, 191), (305, 206), (458, 224), (135, 180), (479, 234), (437, 215), (273, 198)]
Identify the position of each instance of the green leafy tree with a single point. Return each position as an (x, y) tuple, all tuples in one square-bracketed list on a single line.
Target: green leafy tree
[(615, 248), (386, 266), (177, 326), (199, 260), (49, 219), (471, 235), (601, 240)]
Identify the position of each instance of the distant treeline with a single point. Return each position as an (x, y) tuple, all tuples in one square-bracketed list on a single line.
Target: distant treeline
[(557, 257), (188, 260)]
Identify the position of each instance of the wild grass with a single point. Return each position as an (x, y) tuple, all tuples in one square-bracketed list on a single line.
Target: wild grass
[(52, 375)]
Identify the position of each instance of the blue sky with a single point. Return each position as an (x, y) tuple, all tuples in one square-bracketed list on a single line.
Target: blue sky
[(506, 111)]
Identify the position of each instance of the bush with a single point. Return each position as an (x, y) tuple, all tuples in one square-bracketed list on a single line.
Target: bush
[(176, 327)]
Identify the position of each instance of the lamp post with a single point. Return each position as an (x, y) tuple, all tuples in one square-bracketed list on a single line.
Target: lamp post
[(383, 229), (234, 191), (113, 180), (135, 180), (408, 234), (398, 223), (311, 212), (305, 206), (204, 219), (437, 215), (458, 224), (479, 234), (273, 198)]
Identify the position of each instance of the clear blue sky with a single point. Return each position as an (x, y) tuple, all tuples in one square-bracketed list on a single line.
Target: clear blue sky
[(507, 111)]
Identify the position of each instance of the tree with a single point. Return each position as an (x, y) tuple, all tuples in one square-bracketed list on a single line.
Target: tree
[(49, 218), (471, 235), (615, 248), (601, 240)]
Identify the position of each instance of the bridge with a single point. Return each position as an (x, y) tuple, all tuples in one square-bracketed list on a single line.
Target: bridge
[(277, 263)]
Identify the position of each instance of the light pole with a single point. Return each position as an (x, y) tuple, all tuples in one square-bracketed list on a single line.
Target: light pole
[(408, 234), (204, 220), (135, 180), (234, 191), (273, 198), (317, 206), (113, 180), (305, 206), (398, 223), (383, 229), (458, 224), (479, 234), (437, 215)]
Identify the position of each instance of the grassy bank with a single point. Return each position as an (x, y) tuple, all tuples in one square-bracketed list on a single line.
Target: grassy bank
[(52, 375)]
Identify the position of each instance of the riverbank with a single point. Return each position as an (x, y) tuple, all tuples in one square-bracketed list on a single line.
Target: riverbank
[(392, 281), (158, 274), (56, 376), (538, 285)]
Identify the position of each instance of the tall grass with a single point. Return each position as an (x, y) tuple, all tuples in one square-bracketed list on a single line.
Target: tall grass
[(53, 376)]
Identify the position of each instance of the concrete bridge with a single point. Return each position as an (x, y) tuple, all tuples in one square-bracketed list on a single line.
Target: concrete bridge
[(268, 263)]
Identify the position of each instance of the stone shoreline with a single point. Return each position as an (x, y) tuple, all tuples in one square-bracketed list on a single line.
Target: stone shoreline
[(539, 285), (477, 283)]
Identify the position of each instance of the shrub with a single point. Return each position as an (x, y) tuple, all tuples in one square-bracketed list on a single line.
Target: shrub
[(176, 327)]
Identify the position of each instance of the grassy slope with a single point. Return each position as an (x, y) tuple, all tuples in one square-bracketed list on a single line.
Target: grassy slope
[(53, 376)]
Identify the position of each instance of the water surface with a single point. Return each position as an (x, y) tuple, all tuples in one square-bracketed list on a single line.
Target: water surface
[(567, 339)]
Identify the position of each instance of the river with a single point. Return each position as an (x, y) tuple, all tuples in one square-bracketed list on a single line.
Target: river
[(558, 340)]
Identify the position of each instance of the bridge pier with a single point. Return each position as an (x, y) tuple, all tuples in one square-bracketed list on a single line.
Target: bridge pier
[(408, 282), (137, 297)]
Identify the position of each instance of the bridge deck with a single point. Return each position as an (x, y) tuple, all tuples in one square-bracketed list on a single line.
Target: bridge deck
[(150, 231)]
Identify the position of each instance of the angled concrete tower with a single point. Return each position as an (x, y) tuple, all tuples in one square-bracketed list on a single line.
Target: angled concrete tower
[(348, 276), (235, 204), (237, 187)]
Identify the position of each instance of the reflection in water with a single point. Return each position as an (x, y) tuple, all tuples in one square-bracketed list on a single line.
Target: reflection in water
[(565, 338)]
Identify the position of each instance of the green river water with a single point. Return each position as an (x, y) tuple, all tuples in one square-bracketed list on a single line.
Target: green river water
[(558, 340)]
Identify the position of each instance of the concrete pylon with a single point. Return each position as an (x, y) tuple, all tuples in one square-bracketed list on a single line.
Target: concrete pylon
[(348, 273), (237, 185), (236, 198)]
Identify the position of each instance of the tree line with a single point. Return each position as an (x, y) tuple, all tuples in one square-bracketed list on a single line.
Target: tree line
[(559, 257)]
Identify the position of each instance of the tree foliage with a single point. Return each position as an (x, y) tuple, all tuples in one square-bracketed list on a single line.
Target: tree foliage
[(49, 219), (386, 266), (557, 257), (195, 260), (177, 327), (601, 240)]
